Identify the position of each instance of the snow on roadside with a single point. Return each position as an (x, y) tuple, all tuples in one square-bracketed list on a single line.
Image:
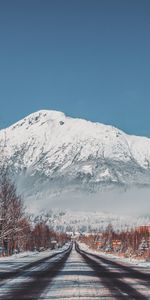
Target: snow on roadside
[(133, 261), (19, 260), (18, 255)]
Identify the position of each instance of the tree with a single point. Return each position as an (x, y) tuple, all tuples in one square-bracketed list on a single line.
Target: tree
[(11, 213)]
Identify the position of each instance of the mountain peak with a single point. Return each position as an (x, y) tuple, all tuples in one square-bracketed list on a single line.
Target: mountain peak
[(39, 117)]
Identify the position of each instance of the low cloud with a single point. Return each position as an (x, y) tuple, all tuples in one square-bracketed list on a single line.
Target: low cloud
[(132, 202)]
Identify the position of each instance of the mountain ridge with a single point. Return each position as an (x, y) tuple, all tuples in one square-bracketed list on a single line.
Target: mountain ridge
[(52, 152)]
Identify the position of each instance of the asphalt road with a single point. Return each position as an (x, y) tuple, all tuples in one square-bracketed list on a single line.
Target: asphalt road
[(74, 274), (124, 281)]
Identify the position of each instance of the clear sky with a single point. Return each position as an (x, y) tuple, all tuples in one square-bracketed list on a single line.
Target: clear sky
[(87, 58)]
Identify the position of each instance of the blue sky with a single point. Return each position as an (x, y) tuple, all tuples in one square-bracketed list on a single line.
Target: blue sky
[(89, 59)]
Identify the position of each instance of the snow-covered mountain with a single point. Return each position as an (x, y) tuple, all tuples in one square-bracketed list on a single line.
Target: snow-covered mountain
[(48, 153)]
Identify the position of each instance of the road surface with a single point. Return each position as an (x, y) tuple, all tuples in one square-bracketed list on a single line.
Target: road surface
[(73, 274)]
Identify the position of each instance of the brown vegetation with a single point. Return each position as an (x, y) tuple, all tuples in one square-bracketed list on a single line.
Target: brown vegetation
[(132, 243)]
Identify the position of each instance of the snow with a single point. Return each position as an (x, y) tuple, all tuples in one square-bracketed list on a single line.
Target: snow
[(140, 149), (9, 263), (134, 262), (42, 131), (87, 169), (18, 255), (137, 262), (50, 154)]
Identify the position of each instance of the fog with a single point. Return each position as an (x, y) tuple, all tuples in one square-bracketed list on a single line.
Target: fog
[(135, 201)]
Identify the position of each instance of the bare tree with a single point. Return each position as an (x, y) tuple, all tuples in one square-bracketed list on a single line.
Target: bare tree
[(11, 213)]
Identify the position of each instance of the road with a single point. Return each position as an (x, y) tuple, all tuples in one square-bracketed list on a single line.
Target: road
[(74, 274)]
